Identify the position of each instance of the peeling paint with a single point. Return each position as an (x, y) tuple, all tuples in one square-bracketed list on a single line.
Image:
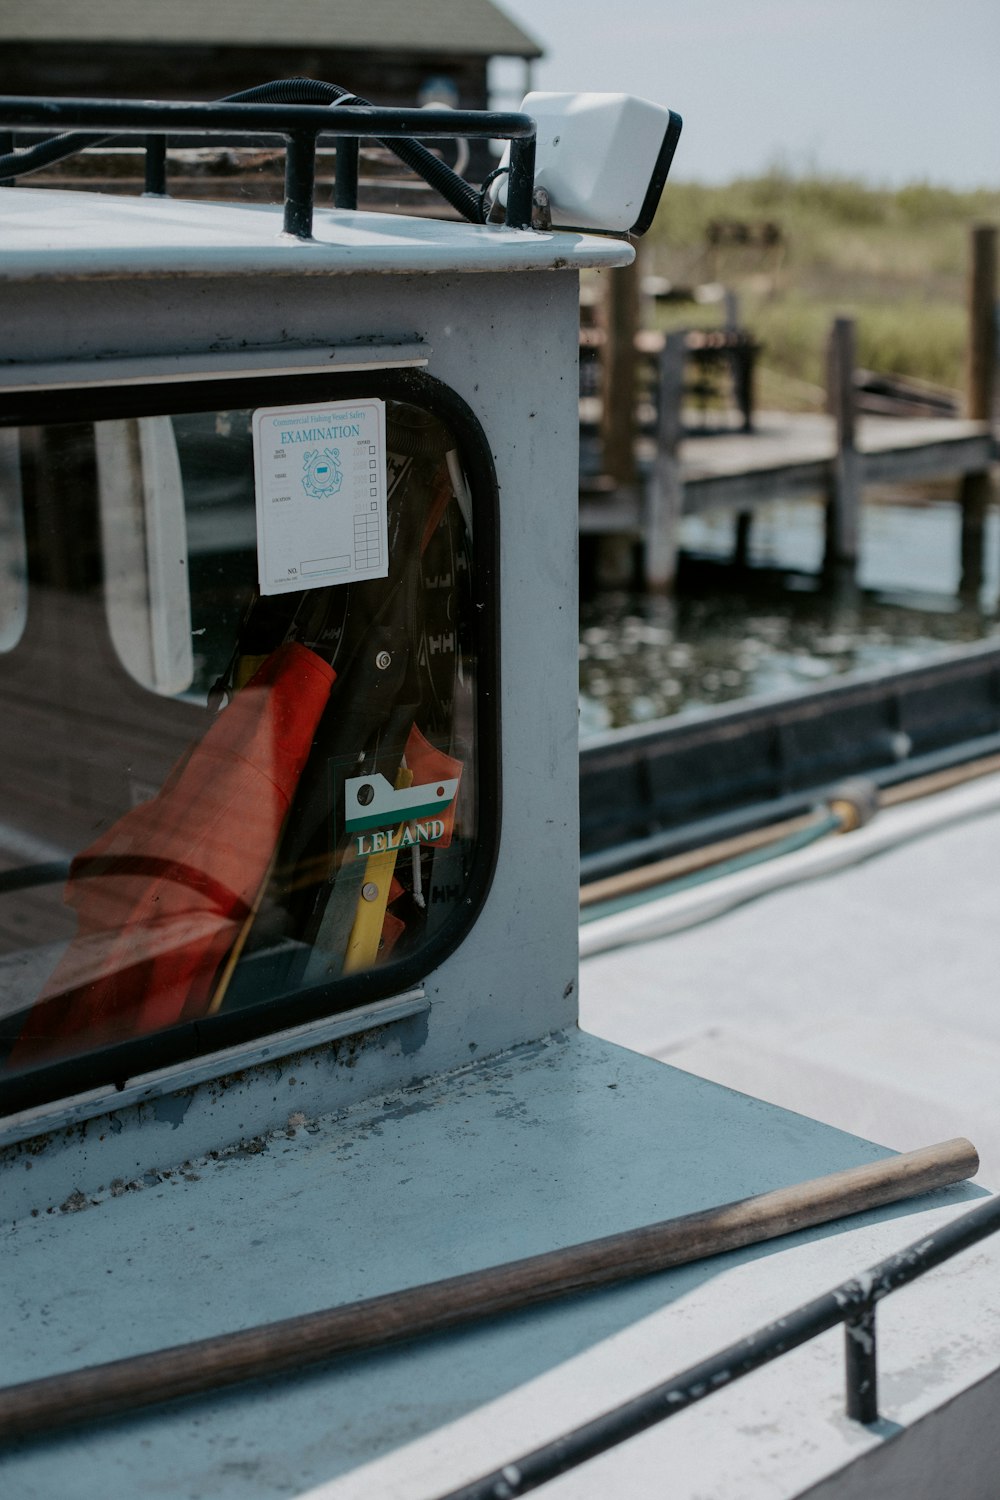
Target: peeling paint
[(171, 1108)]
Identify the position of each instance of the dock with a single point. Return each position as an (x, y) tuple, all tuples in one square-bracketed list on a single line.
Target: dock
[(640, 477), (788, 456)]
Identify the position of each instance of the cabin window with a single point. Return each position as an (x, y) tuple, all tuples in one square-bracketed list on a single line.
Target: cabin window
[(230, 807)]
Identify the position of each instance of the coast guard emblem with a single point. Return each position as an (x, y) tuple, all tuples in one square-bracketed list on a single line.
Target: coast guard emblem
[(323, 475)]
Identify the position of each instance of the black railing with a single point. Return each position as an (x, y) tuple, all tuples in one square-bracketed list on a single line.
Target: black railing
[(300, 126), (852, 1304)]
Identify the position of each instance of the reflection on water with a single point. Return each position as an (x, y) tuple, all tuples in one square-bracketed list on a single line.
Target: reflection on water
[(729, 635)]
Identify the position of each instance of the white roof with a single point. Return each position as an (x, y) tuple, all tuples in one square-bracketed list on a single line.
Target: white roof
[(45, 233)]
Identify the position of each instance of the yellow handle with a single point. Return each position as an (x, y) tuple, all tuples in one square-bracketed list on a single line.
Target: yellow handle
[(362, 945)]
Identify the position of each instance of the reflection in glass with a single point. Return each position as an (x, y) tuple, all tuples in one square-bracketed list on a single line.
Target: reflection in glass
[(13, 557), (214, 799)]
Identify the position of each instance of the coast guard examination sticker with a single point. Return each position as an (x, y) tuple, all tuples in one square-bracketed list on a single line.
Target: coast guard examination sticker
[(319, 480)]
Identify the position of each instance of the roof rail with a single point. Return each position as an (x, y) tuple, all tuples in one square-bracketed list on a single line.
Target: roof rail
[(92, 122)]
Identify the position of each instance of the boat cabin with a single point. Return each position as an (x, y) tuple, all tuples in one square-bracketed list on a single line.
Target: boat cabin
[(289, 846)]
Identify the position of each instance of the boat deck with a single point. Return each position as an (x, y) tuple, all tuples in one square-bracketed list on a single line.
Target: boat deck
[(551, 1144), (867, 998)]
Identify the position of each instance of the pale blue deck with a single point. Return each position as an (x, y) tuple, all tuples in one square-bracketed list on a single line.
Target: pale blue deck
[(560, 1141)]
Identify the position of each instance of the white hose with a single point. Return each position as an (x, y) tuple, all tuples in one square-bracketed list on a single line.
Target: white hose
[(891, 827)]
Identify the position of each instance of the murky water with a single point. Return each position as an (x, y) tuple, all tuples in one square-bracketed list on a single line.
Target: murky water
[(727, 635)]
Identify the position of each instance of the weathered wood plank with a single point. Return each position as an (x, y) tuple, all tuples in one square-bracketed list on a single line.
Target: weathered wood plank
[(932, 460), (790, 458), (665, 491), (618, 517), (796, 481), (844, 480)]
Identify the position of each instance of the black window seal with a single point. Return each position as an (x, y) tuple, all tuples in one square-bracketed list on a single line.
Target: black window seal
[(113, 1066)]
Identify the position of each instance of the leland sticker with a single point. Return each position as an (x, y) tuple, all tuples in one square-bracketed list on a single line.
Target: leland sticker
[(374, 810), (320, 484)]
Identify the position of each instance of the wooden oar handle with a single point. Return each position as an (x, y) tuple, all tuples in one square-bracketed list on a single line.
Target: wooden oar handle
[(210, 1364)]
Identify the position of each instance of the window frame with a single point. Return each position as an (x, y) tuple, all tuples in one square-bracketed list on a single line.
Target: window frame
[(194, 1041)]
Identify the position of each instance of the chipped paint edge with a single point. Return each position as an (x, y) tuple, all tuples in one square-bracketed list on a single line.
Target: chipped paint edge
[(65, 1113)]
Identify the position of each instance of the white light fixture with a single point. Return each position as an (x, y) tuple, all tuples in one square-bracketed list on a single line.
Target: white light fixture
[(601, 159)]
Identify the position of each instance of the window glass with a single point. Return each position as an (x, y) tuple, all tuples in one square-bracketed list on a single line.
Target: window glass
[(216, 798), (144, 550), (13, 561)]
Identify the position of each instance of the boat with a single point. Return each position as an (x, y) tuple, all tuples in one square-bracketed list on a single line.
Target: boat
[(313, 1184)]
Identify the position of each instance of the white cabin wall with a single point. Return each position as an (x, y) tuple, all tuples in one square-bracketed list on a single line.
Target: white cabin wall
[(508, 346)]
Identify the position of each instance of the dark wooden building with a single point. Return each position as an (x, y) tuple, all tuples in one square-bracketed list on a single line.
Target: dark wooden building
[(386, 51)]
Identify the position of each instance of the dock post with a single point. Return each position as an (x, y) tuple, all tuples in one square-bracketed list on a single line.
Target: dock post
[(619, 316), (981, 359), (845, 481), (744, 518), (741, 540), (665, 490)]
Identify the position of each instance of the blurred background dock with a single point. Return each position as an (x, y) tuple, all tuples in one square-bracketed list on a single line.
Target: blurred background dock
[(670, 426)]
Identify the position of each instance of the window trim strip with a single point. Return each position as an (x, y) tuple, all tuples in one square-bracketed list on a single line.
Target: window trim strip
[(237, 364), (62, 1114)]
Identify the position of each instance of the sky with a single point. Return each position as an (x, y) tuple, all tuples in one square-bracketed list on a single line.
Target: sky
[(891, 91)]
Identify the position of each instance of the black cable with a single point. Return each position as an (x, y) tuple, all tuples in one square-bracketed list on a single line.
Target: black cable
[(488, 182), (454, 189), (56, 148)]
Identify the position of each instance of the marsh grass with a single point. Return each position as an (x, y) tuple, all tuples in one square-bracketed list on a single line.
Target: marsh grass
[(894, 260)]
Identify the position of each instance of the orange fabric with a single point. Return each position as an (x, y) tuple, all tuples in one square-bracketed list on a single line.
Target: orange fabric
[(441, 493), (427, 765), (392, 930), (161, 896)]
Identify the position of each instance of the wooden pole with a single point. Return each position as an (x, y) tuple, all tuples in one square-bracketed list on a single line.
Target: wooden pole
[(981, 359), (621, 324), (210, 1364), (664, 500), (845, 484), (741, 540)]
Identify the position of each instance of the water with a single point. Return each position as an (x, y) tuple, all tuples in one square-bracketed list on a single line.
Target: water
[(728, 635)]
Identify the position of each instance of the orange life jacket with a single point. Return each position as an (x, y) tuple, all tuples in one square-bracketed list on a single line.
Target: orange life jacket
[(161, 897)]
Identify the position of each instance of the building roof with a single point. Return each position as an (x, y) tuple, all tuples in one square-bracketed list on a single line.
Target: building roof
[(432, 26)]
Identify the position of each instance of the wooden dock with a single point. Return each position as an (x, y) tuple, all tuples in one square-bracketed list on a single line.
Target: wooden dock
[(639, 490), (788, 457)]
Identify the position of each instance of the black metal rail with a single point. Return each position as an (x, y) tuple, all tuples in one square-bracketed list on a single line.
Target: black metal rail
[(300, 126), (852, 1304)]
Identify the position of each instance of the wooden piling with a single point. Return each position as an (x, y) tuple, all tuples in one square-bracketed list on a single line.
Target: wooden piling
[(664, 500), (981, 360), (741, 539), (974, 492), (844, 497), (620, 312), (618, 318)]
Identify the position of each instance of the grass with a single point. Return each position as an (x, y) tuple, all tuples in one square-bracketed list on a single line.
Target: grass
[(894, 260)]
